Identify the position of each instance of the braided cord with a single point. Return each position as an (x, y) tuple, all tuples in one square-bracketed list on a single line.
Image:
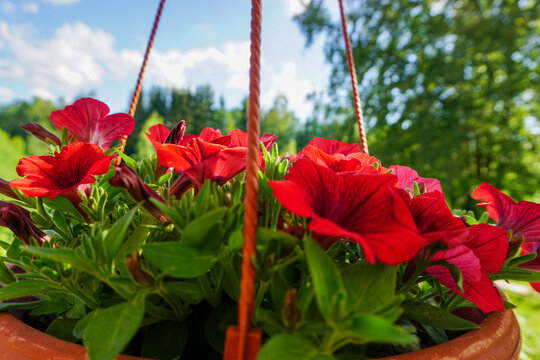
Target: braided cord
[(137, 92), (354, 82)]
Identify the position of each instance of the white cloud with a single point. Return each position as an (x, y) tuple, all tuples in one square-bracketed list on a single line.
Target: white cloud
[(286, 81), (293, 7), (60, 2), (76, 58), (30, 7), (42, 93), (224, 67), (7, 7), (6, 94), (79, 58)]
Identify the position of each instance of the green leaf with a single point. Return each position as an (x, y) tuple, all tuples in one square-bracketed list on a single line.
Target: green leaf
[(189, 292), (291, 347), (56, 306), (436, 317), (266, 235), (368, 328), (216, 325), (437, 335), (517, 274), (180, 259), (62, 255), (370, 288), (63, 205), (14, 252), (129, 161), (27, 288), (111, 329), (6, 276), (18, 305), (62, 328), (521, 259), (327, 283), (165, 340), (80, 327), (115, 236), (202, 231)]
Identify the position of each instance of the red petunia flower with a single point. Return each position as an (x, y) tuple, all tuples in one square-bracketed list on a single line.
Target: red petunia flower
[(202, 160), (476, 251), (407, 176), (239, 138), (87, 121), (158, 133), (433, 217), (66, 173), (365, 208), (161, 134), (522, 217), (534, 264), (332, 147), (346, 164)]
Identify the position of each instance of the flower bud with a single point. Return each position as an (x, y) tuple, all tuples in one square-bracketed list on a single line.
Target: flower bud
[(514, 245), (18, 220), (291, 312), (177, 133), (139, 275), (181, 185), (41, 133), (127, 178), (5, 189)]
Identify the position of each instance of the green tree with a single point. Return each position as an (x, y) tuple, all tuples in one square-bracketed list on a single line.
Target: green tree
[(446, 86), (143, 145), (11, 151), (281, 122)]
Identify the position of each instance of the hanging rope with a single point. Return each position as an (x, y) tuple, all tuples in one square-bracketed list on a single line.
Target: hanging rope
[(242, 343), (137, 92), (354, 82)]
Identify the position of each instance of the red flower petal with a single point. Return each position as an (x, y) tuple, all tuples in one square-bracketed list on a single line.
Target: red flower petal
[(337, 162), (87, 121), (490, 245), (202, 160), (333, 146), (158, 133), (433, 218), (209, 134), (407, 176), (483, 294), (364, 208), (522, 217), (50, 176), (461, 256)]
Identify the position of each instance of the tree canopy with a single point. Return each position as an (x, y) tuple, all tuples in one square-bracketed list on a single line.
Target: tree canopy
[(449, 87)]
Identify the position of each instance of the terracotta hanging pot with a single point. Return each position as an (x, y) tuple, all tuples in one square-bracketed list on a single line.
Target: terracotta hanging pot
[(498, 338), (19, 341)]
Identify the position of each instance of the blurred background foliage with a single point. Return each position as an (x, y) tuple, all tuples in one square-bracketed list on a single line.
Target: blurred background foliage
[(449, 87)]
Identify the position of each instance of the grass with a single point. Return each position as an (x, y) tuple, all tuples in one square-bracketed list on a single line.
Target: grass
[(528, 314)]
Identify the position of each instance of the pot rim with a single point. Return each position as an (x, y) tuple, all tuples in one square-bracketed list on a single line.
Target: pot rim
[(497, 338), (19, 341)]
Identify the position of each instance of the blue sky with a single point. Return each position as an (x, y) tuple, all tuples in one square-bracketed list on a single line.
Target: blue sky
[(62, 48)]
